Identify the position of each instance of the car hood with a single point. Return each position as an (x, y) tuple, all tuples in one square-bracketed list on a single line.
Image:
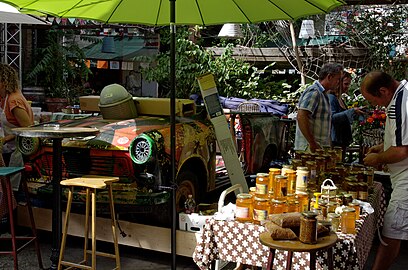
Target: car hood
[(114, 134)]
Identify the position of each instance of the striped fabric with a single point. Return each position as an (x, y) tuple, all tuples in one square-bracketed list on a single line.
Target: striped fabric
[(317, 102)]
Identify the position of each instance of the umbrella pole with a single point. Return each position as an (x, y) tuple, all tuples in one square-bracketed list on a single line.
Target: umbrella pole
[(173, 128)]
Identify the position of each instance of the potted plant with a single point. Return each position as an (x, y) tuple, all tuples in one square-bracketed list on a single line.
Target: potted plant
[(61, 69)]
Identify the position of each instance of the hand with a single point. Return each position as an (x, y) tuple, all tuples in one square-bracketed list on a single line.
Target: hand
[(371, 159), (314, 146), (359, 110), (375, 149)]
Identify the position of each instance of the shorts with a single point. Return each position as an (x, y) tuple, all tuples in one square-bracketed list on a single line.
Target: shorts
[(396, 220)]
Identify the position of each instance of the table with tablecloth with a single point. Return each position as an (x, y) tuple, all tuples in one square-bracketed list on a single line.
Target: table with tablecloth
[(239, 242)]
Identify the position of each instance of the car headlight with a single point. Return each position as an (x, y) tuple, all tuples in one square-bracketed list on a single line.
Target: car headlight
[(141, 149), (27, 146)]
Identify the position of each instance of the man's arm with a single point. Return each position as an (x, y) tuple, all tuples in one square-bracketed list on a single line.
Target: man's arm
[(305, 126), (392, 155)]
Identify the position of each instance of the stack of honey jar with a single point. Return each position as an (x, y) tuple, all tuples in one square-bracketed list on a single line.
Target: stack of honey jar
[(291, 188)]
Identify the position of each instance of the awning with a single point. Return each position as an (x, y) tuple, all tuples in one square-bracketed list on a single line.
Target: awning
[(126, 48)]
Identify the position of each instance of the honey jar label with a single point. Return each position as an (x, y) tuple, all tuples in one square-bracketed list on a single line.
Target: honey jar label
[(260, 214), (261, 189), (241, 212)]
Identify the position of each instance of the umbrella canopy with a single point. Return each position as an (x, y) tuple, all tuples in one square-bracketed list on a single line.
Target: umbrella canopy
[(157, 12)]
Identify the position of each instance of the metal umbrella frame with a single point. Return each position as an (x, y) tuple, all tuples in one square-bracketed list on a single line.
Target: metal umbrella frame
[(187, 12)]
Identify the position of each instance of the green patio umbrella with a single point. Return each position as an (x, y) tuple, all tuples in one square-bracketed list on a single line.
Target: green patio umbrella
[(177, 12)]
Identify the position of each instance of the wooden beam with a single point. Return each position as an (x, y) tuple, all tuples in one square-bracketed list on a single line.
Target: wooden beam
[(138, 235)]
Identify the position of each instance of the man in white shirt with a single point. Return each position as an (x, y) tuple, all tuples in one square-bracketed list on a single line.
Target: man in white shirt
[(381, 89)]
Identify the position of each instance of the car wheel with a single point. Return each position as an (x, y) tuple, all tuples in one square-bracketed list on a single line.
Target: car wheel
[(187, 183)]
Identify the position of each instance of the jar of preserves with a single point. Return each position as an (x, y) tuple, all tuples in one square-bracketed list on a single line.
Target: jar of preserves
[(272, 173), (278, 207), (320, 164), (347, 198), (320, 152), (252, 191), (296, 163), (303, 199), (339, 153), (261, 209), (244, 208), (286, 168), (312, 181), (280, 188), (363, 191), (333, 158), (305, 158), (348, 220), (302, 175), (291, 174), (369, 175), (335, 221), (356, 207), (262, 185), (308, 228), (328, 162)]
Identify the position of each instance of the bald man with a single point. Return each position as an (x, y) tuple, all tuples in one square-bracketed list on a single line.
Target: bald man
[(381, 89)]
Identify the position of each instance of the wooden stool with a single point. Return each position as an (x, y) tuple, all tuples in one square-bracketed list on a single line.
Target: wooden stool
[(323, 243), (5, 173), (91, 183)]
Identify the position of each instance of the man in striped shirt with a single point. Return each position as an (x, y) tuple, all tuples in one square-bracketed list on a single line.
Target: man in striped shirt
[(314, 117), (381, 89)]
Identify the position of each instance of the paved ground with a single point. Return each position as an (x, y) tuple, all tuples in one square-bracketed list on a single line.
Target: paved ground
[(135, 258)]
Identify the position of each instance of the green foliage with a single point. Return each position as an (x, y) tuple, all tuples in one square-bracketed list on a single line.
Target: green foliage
[(61, 68), (383, 31), (234, 77)]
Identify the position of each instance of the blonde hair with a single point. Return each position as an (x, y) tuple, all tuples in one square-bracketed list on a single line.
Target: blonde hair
[(9, 78)]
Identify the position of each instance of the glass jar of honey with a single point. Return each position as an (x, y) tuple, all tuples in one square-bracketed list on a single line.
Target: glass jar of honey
[(312, 181), (272, 173), (261, 208), (286, 168), (262, 185), (335, 221), (339, 153), (291, 174), (320, 164), (303, 199), (280, 188), (348, 220), (356, 207), (244, 207), (296, 163), (278, 207), (308, 228), (363, 191)]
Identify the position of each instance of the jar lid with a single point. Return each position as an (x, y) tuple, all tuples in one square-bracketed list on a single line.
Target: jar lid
[(311, 162), (310, 214), (349, 209), (281, 176), (325, 223), (244, 196), (262, 199), (274, 169), (287, 166), (262, 174), (252, 189), (302, 168), (337, 147), (277, 201), (333, 215), (348, 195)]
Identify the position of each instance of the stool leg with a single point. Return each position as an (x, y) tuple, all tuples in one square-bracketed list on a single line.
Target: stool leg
[(312, 260), (65, 229), (93, 229), (86, 231), (289, 260), (113, 220), (330, 258), (9, 191), (270, 259), (33, 228)]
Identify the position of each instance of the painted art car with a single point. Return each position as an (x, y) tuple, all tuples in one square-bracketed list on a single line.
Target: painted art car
[(138, 152)]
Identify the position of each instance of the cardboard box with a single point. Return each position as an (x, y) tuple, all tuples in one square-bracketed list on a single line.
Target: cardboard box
[(89, 103), (161, 106)]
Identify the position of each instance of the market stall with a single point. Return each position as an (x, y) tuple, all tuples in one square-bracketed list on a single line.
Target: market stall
[(239, 242)]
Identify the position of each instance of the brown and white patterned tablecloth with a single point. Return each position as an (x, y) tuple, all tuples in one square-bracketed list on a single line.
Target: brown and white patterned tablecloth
[(238, 242)]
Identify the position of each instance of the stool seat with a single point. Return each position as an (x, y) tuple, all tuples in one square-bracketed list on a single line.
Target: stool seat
[(9, 171), (5, 174), (90, 181), (323, 243)]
